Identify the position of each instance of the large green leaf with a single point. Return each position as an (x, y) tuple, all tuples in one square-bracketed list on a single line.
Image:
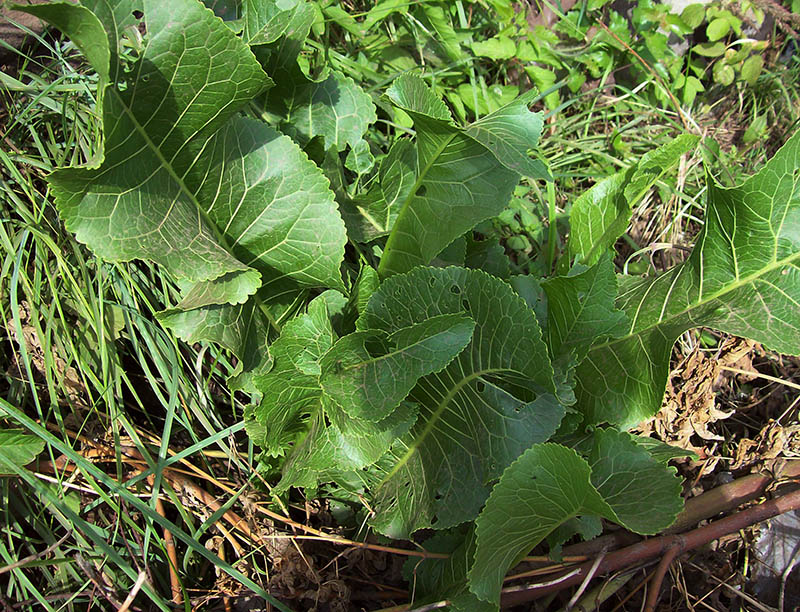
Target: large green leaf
[(345, 399), (221, 201), (548, 485), (743, 278), (581, 309), (601, 215), (625, 473), (334, 444), (478, 414), (551, 488), (291, 389), (462, 176)]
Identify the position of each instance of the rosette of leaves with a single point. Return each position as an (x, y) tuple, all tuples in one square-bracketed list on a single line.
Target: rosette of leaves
[(449, 398)]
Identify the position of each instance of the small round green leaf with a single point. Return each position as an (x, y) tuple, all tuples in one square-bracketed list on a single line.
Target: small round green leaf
[(723, 73), (751, 69), (718, 29), (693, 15)]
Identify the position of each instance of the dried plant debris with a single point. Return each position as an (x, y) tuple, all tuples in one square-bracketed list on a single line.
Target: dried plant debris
[(691, 407), (773, 441)]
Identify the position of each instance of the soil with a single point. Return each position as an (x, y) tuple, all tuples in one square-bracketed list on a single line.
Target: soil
[(12, 34)]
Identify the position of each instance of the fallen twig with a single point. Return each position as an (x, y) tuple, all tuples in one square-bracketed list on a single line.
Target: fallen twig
[(35, 556), (659, 546)]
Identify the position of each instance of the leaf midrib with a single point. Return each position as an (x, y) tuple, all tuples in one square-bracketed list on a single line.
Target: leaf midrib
[(387, 252), (171, 171), (434, 419), (714, 296)]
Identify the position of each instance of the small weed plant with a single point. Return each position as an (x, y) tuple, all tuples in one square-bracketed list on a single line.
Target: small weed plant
[(390, 353)]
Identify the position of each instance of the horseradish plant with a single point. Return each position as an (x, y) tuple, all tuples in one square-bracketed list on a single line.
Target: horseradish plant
[(386, 349)]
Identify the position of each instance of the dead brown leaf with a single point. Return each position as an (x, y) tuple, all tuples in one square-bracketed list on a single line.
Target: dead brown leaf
[(690, 407)]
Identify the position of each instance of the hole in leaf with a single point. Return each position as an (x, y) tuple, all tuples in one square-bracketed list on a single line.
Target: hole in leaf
[(481, 387), (431, 282), (422, 190), (455, 290), (138, 14), (465, 305), (145, 78)]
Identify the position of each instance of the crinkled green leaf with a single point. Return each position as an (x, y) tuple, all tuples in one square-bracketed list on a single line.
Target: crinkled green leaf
[(369, 385), (511, 133), (742, 278), (552, 491), (624, 474), (18, 449), (291, 391), (461, 176), (601, 215), (581, 309), (335, 443), (478, 414), (333, 108), (548, 485)]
